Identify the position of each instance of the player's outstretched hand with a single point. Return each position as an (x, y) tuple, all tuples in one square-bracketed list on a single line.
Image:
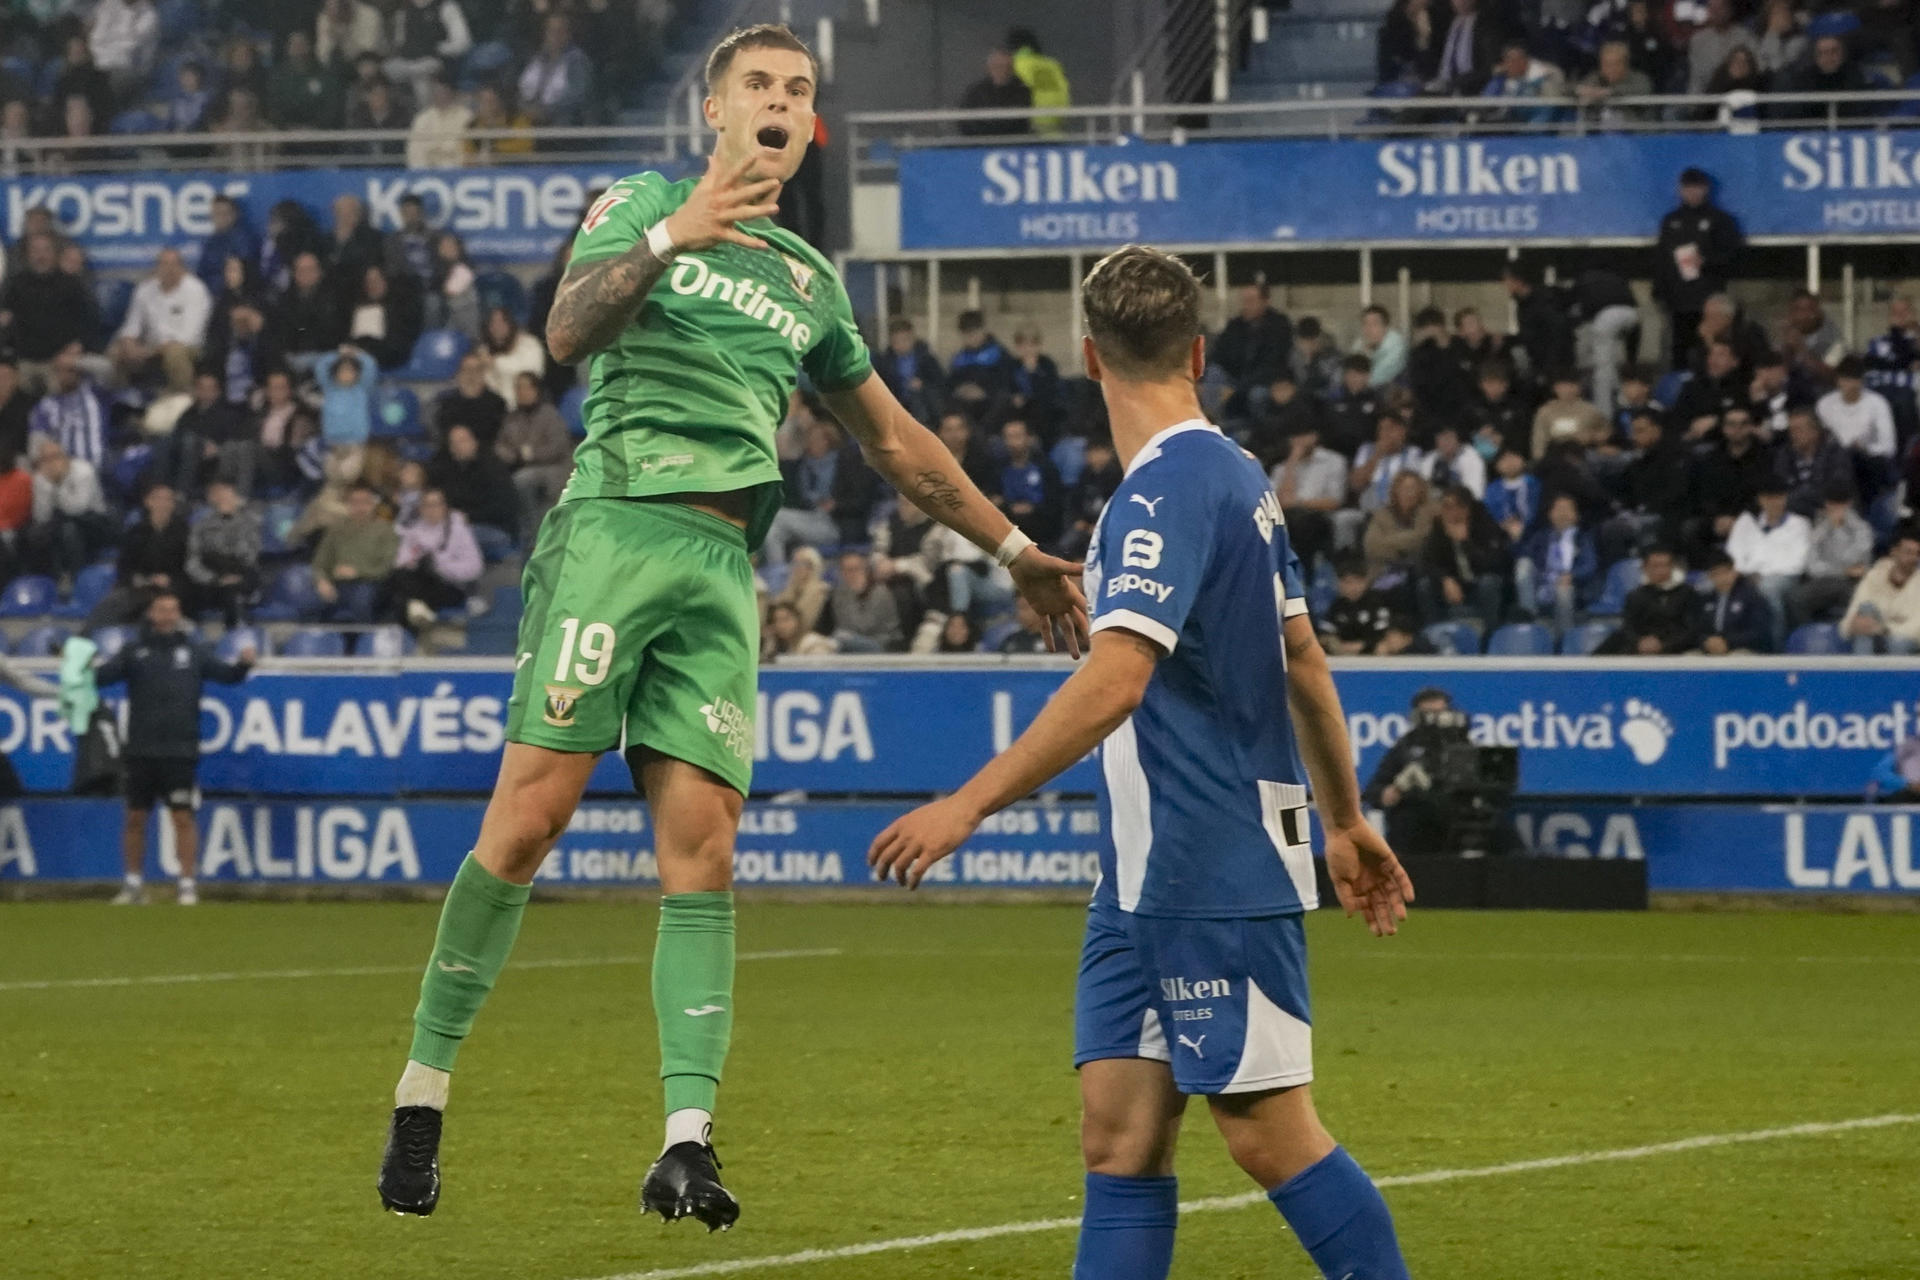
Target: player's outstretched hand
[(1052, 586), (1368, 877), (910, 846), (723, 198)]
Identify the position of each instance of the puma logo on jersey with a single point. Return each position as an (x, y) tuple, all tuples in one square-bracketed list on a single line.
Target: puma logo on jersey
[(693, 277), (1148, 503), (1193, 1045)]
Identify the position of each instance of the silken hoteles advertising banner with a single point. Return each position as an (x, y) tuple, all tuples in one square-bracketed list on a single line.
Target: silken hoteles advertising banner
[(1583, 728), (1500, 190)]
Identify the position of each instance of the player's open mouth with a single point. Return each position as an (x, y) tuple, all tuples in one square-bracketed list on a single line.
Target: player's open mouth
[(773, 137)]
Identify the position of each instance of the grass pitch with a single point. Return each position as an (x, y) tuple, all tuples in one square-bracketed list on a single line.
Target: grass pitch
[(917, 1081)]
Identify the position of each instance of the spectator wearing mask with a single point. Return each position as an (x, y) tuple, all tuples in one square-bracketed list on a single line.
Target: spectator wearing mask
[(1809, 339), (153, 558), (353, 559), (1383, 345), (510, 351), (1568, 417), (1769, 546), (385, 317), (1099, 479), (1810, 463), (1559, 567), (911, 370), (1359, 617), (1029, 486), (166, 324), (861, 615), (999, 89), (437, 563), (223, 554), (1354, 415), (1451, 463), (1661, 615), (1860, 419), (1468, 52), (1839, 549), (71, 414), (477, 484), (307, 316), (1311, 484), (1396, 531), (1543, 329), (534, 441), (1884, 614), (1513, 496), (436, 139), (1037, 395), (70, 518), (1695, 257), (1734, 617), (1499, 417), (428, 36), (1467, 561), (981, 371), (1315, 359), (557, 83), (471, 402), (1250, 350), (44, 309)]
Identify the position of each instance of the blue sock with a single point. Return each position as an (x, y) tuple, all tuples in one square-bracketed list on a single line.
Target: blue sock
[(1341, 1220), (1126, 1232)]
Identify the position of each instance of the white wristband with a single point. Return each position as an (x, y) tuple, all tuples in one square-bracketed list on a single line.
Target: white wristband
[(660, 240), (1010, 550)]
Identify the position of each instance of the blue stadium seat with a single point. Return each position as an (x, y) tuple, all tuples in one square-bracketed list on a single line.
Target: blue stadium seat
[(28, 596), (397, 413), (90, 587), (112, 639), (1521, 640), (276, 527), (1623, 577), (436, 356), (136, 121), (572, 406), (1816, 637), (483, 62), (502, 289), (240, 638), (1070, 459), (1585, 638), (1453, 638), (291, 597), (1842, 23), (386, 642), (311, 642), (41, 642)]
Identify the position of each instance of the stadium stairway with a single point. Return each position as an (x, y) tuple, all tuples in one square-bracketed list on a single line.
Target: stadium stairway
[(1314, 50)]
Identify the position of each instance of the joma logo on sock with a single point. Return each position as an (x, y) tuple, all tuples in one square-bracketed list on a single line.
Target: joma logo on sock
[(1177, 989)]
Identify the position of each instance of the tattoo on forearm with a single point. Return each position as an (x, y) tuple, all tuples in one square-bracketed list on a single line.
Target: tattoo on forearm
[(933, 489), (595, 302)]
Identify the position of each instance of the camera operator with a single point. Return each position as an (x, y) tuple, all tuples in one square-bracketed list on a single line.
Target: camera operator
[(1441, 793), (1402, 783)]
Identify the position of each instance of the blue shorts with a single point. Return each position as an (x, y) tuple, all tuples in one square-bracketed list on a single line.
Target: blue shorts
[(1224, 1002)]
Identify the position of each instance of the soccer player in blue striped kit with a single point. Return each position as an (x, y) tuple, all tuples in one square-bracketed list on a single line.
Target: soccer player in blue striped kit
[(1204, 689)]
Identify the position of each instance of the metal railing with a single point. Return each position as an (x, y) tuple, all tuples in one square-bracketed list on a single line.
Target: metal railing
[(1189, 57)]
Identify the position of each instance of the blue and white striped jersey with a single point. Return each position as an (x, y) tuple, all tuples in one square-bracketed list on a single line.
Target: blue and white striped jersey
[(1203, 787)]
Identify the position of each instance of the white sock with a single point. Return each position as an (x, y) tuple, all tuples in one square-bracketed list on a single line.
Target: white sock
[(134, 881), (186, 882), (689, 1124), (422, 1086)]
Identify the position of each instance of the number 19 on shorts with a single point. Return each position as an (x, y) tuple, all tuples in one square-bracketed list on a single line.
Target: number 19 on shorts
[(594, 644)]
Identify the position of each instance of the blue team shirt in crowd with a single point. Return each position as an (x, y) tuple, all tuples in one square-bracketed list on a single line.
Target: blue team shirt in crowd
[(1202, 787)]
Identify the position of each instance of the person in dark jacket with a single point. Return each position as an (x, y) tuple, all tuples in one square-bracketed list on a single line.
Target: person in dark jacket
[(1735, 617), (479, 486), (981, 370), (1662, 614), (1250, 352), (44, 309), (1466, 562), (1290, 411), (1501, 415), (1000, 87), (153, 558), (471, 403), (164, 668), (223, 553), (1708, 395), (1029, 486), (1655, 491), (1698, 249), (1544, 330), (1089, 496), (231, 238), (1727, 478), (1442, 389), (307, 317), (911, 370), (1353, 414), (385, 317), (1811, 462), (1038, 396)]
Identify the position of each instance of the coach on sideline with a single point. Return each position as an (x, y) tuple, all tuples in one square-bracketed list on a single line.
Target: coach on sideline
[(163, 668)]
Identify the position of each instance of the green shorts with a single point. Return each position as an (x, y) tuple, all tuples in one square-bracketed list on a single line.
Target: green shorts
[(642, 614)]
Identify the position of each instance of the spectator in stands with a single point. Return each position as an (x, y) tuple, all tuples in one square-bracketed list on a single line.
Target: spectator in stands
[(1452, 463), (16, 408), (244, 354), (1037, 394), (1513, 497), (437, 563), (1498, 417), (291, 231), (1722, 320), (1396, 530), (1653, 489), (1810, 463), (242, 115), (1809, 339), (1315, 359), (1558, 568), (1376, 470), (813, 485), (557, 83), (491, 113), (307, 316), (1519, 76), (436, 137), (509, 351), (240, 64), (1029, 485), (975, 585), (1709, 46), (806, 590), (70, 518), (1542, 327), (1615, 77), (1859, 419), (1839, 549), (166, 324), (959, 634), (1568, 417), (1696, 255), (385, 317), (428, 36), (222, 430), (1661, 615), (477, 483), (1000, 88), (861, 615), (1383, 344), (1407, 48), (1469, 51), (301, 93), (354, 558), (410, 485), (911, 371), (1737, 83), (185, 109), (1781, 42), (351, 246), (350, 381), (71, 414), (346, 30), (1354, 413), (1769, 395), (1044, 77), (1311, 483), (123, 36), (1884, 614), (1289, 411), (1717, 389), (981, 371), (1607, 320), (1892, 359), (1030, 636), (970, 452), (1466, 562), (471, 402), (153, 557), (784, 635), (44, 310), (1440, 387), (378, 110), (1473, 344), (231, 237), (1727, 478), (536, 444), (1098, 481), (1831, 70), (16, 513), (1769, 546), (282, 424), (1359, 616), (1734, 617), (223, 554), (1250, 350), (82, 77)]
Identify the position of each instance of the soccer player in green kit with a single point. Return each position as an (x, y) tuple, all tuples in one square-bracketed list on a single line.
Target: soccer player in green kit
[(698, 312)]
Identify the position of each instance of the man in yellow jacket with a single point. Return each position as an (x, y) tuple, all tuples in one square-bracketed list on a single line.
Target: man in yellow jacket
[(1043, 76)]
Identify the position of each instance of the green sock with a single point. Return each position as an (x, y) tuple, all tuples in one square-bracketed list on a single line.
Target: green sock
[(478, 923), (693, 995)]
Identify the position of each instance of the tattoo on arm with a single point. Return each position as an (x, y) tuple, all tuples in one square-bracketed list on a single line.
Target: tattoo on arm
[(933, 489), (596, 301)]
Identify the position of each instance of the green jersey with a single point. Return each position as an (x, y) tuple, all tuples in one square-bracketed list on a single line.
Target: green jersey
[(687, 398)]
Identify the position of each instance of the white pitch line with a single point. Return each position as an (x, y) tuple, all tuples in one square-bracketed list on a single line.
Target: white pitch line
[(1216, 1204), (1623, 957), (365, 971)]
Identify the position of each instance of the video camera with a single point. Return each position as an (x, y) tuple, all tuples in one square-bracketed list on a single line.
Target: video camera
[(1471, 787)]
